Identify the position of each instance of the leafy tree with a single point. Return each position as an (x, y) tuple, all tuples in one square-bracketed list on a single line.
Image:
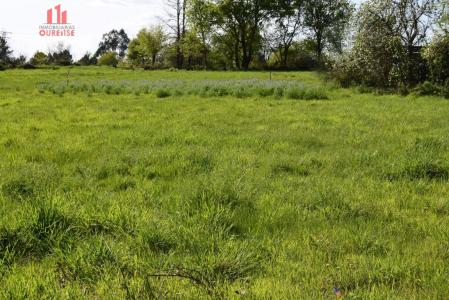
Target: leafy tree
[(437, 56), (301, 56), (145, 48), (177, 23), (39, 58), (5, 51), (61, 56), (201, 15), (327, 21), (242, 20), (192, 50), (108, 59), (87, 59), (443, 21), (19, 61), (387, 47), (115, 40), (287, 25)]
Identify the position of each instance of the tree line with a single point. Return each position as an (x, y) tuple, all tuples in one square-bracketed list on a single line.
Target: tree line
[(388, 44)]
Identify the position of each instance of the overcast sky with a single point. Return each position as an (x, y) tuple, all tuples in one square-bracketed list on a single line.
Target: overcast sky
[(91, 19)]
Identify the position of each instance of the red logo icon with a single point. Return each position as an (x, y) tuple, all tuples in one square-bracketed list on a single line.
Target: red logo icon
[(61, 17)]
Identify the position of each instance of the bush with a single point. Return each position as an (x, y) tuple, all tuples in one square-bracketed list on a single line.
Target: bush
[(108, 59), (437, 56), (162, 93), (39, 58), (427, 89), (29, 67)]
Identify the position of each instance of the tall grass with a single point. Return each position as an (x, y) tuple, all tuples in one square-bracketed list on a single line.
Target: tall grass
[(204, 195), (206, 89)]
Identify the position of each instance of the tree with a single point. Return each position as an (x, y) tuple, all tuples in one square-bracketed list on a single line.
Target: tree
[(5, 51), (327, 21), (115, 40), (108, 59), (437, 56), (301, 56), (242, 20), (145, 48), (287, 25), (39, 58), (192, 50), (61, 56), (201, 15), (443, 14), (414, 21), (87, 59), (388, 46), (19, 61), (177, 23)]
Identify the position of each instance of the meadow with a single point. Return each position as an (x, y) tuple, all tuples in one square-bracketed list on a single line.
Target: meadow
[(219, 185)]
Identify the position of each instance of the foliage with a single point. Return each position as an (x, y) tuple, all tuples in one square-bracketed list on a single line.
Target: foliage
[(387, 47), (5, 51), (437, 56), (39, 58), (201, 16), (427, 89), (19, 61), (301, 56), (87, 59), (61, 56), (116, 41), (327, 22), (242, 20), (145, 49), (108, 59)]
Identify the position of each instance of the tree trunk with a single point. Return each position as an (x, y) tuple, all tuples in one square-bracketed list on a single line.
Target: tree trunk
[(285, 56), (237, 55), (319, 45)]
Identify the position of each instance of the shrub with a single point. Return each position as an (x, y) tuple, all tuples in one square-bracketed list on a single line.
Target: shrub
[(39, 58), (265, 92), (427, 89), (162, 93), (437, 56), (108, 59)]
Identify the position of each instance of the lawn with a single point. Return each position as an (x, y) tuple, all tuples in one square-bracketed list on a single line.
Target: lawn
[(156, 184)]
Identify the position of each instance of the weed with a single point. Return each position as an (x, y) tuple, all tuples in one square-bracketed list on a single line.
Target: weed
[(162, 93)]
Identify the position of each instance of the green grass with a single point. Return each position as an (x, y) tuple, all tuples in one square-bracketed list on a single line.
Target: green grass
[(158, 184)]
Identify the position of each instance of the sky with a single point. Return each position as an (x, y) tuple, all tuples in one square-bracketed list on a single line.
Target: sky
[(91, 18)]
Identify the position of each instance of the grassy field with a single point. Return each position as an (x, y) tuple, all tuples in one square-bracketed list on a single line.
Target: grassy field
[(132, 184)]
